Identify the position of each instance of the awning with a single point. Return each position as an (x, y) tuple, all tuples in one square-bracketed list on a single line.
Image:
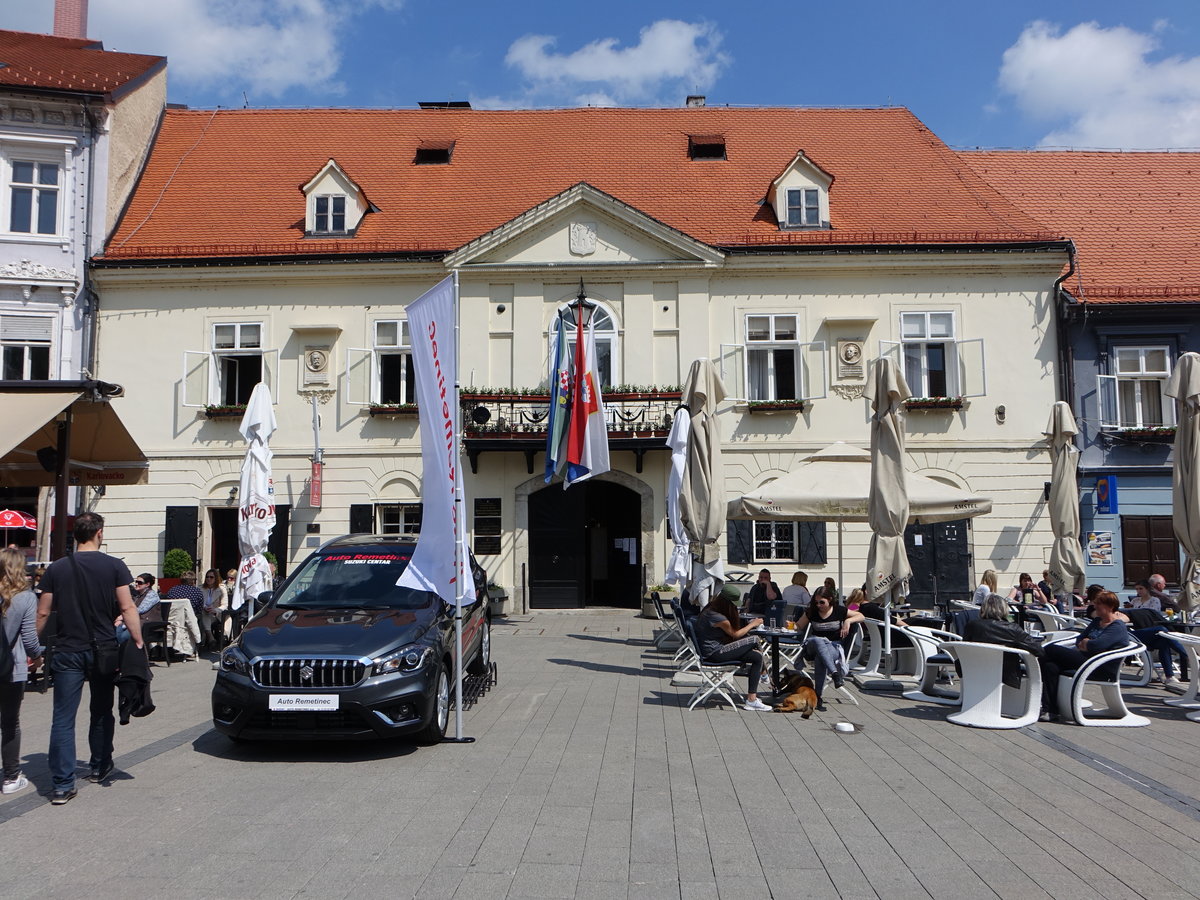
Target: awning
[(102, 451)]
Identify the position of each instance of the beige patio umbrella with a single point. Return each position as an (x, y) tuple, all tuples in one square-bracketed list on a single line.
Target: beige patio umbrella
[(888, 570), (1066, 556), (1184, 386), (702, 489)]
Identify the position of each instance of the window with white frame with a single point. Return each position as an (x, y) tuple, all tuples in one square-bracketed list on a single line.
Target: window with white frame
[(606, 340), (33, 187), (774, 540), (329, 213), (803, 207), (395, 381), (226, 374), (772, 353), (1132, 393), (399, 518), (25, 344), (928, 345)]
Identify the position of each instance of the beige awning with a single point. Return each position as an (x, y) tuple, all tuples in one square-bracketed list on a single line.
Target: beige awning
[(102, 450)]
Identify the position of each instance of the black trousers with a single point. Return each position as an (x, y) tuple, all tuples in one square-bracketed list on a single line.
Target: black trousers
[(11, 695), (1058, 659)]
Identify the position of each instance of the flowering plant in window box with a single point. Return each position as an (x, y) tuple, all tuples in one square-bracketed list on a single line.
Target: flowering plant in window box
[(1158, 434), (770, 406), (392, 409), (506, 394), (934, 403), (641, 392), (225, 410)]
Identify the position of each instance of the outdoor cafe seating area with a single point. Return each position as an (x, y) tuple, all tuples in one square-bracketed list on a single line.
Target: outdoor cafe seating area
[(933, 666)]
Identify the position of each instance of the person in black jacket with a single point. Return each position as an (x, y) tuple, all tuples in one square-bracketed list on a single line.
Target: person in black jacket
[(993, 627), (765, 598), (1151, 628)]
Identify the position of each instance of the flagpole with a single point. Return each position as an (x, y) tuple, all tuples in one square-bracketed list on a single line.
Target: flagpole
[(460, 534)]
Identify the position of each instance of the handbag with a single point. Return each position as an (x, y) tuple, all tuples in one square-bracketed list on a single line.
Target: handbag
[(104, 656)]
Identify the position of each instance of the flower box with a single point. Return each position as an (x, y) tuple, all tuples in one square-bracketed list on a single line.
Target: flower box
[(1157, 435), (234, 411), (773, 406), (934, 403), (393, 409)]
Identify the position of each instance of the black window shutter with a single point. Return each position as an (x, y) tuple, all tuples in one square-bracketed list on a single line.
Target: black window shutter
[(812, 543), (740, 540), (278, 542), (182, 526), (362, 518)]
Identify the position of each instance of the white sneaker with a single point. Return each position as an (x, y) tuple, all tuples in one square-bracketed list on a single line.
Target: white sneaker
[(755, 706), (1174, 684), (16, 784)]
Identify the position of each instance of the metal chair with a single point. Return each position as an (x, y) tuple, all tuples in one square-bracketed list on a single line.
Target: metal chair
[(716, 678)]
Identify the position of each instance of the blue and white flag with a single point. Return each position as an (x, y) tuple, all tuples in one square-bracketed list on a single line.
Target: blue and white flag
[(560, 404)]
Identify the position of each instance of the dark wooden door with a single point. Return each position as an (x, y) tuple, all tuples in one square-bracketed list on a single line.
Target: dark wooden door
[(940, 557), (557, 550), (1148, 547)]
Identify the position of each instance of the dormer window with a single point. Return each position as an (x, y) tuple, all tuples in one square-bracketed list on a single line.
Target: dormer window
[(803, 207), (330, 213), (800, 195), (434, 153), (706, 146), (335, 205)]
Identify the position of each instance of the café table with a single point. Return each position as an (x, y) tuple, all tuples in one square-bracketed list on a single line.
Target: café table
[(775, 635)]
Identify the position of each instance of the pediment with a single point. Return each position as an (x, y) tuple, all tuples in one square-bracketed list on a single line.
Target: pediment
[(587, 227)]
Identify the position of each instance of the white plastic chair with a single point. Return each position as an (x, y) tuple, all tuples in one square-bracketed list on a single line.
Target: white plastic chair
[(1114, 713), (1053, 621), (987, 702), (1191, 696)]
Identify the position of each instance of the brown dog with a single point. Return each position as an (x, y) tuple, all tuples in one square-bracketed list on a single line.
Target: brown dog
[(801, 695)]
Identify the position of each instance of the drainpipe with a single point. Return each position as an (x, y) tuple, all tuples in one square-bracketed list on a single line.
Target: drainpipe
[(1065, 355), (90, 335)]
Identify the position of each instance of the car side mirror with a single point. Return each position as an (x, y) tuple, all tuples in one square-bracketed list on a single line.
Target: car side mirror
[(263, 600)]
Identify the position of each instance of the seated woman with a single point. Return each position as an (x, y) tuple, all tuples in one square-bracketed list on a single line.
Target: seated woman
[(1025, 591), (796, 596), (987, 586), (723, 639), (1150, 627), (1107, 631), (1144, 598), (856, 599), (184, 639), (992, 627), (829, 624)]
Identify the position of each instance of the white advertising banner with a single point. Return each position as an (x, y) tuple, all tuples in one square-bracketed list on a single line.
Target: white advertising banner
[(431, 321), (256, 498)]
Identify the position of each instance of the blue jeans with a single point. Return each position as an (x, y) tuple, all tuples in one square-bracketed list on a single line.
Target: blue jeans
[(71, 670), (1159, 638), (825, 657)]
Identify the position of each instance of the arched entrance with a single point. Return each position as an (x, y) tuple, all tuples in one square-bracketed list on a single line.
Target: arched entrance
[(585, 546)]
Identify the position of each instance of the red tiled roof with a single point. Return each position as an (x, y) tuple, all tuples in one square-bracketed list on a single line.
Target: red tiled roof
[(45, 62), (1134, 216), (225, 183)]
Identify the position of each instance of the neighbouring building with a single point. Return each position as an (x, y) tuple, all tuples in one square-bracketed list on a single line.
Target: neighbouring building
[(76, 124), (790, 245), (1130, 307)]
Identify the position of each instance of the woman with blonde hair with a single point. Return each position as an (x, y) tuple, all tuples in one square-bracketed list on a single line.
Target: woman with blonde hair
[(213, 609), (18, 609), (987, 586)]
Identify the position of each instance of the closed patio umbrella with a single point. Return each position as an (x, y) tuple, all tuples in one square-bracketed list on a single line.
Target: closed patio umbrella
[(888, 570), (256, 498), (1066, 556), (1184, 386), (702, 489)]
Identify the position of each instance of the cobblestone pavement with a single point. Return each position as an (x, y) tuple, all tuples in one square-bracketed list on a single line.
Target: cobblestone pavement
[(590, 778)]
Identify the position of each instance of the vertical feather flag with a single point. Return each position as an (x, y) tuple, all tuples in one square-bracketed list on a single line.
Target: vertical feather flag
[(560, 404), (587, 436)]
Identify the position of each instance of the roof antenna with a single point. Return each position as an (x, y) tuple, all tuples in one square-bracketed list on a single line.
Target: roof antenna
[(245, 101)]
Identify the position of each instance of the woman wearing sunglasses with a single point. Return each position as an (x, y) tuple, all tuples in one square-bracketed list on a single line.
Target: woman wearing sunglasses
[(829, 624)]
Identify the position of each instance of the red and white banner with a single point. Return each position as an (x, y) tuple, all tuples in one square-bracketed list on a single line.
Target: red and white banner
[(431, 320), (587, 431)]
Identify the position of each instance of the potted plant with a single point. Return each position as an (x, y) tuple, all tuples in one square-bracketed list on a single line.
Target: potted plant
[(497, 597), (934, 403), (392, 409), (666, 592), (175, 563), (1150, 434), (772, 406), (225, 410)]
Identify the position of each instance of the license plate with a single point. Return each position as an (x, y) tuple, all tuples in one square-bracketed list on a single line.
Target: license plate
[(302, 702)]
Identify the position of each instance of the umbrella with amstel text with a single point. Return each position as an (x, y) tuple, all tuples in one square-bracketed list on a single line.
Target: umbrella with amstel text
[(702, 490), (256, 498), (1066, 556), (1184, 386)]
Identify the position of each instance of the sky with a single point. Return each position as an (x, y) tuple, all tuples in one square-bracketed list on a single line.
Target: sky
[(1096, 74)]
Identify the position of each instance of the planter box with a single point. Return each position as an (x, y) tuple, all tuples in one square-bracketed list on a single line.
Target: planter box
[(224, 412), (162, 585), (498, 603), (1147, 435), (777, 407), (408, 410), (932, 404)]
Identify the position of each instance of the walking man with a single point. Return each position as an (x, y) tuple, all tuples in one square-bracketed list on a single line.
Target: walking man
[(87, 591)]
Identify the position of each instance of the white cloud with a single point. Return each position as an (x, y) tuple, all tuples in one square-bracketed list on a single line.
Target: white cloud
[(264, 47), (1101, 87), (671, 59)]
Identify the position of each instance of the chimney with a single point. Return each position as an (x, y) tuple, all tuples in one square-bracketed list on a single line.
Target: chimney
[(692, 100), (70, 18)]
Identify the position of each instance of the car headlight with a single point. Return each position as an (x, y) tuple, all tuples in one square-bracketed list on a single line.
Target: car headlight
[(233, 660), (406, 659)]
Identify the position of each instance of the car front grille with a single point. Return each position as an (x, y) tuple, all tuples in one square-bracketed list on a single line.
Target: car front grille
[(321, 673), (333, 721)]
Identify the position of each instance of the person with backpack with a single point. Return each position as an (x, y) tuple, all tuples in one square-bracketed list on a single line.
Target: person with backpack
[(19, 655), (87, 591)]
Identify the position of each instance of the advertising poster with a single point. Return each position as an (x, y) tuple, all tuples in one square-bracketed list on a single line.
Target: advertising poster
[(1100, 548)]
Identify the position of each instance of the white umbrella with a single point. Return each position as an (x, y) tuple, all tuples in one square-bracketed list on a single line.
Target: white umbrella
[(1066, 556), (256, 498), (679, 568), (888, 570), (1184, 386), (702, 491)]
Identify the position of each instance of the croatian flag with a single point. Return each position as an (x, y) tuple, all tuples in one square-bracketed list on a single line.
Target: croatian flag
[(587, 434), (560, 404), (431, 321)]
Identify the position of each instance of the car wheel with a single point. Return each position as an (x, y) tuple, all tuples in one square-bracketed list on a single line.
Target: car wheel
[(483, 658), (435, 729)]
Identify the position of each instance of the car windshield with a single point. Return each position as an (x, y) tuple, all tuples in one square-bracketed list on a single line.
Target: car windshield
[(352, 580)]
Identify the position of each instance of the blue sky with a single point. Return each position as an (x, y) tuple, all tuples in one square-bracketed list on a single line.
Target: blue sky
[(1013, 74)]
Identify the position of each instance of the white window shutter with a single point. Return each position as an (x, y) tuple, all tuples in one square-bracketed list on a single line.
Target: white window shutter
[(813, 371), (359, 383), (732, 364), (972, 377), (893, 350), (1106, 394), (196, 386), (270, 373)]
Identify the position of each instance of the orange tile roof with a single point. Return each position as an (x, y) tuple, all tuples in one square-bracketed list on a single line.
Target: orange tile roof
[(226, 183), (45, 62), (1134, 216)]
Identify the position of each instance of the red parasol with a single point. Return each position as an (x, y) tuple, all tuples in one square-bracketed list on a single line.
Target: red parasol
[(12, 518)]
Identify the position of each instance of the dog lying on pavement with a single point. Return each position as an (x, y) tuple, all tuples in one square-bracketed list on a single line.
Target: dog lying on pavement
[(801, 695)]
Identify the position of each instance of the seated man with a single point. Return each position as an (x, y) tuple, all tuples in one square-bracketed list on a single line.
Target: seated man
[(1158, 589), (1150, 627)]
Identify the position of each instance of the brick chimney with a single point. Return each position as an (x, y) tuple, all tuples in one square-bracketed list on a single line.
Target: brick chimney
[(70, 18)]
